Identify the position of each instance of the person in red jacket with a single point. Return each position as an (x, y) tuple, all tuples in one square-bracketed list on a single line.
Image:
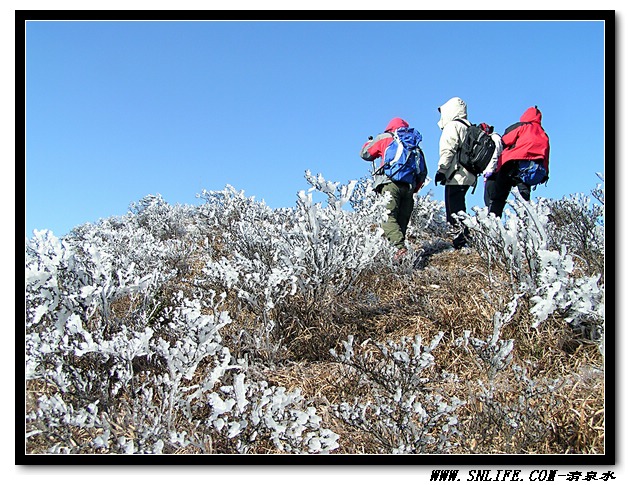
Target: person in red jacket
[(401, 204), (522, 141)]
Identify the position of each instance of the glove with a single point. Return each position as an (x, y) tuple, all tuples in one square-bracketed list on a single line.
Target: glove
[(440, 178)]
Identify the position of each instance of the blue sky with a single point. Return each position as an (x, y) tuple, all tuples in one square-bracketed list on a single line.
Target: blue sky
[(119, 110)]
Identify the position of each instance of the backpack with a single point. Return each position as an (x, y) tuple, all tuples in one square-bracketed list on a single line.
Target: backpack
[(476, 150), (403, 160), (530, 172)]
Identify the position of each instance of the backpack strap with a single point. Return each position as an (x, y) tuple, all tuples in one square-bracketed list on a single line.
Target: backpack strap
[(459, 150), (474, 186), (514, 126), (467, 125), (380, 170)]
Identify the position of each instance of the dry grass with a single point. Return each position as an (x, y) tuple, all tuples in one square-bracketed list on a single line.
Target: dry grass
[(452, 294)]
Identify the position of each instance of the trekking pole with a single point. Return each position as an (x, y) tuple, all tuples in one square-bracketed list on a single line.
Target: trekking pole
[(373, 173)]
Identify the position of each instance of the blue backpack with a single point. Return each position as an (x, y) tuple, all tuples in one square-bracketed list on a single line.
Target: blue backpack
[(403, 160), (530, 172)]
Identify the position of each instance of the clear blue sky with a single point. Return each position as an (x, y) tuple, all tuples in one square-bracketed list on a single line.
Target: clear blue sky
[(119, 110)]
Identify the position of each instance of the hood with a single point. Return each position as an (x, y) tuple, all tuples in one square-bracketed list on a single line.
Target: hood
[(532, 114), (396, 123), (453, 109)]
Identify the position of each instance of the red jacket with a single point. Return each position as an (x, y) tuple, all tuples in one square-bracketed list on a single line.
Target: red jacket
[(375, 148), (526, 140)]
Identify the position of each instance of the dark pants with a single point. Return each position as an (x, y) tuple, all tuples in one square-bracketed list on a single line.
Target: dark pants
[(498, 188), (455, 201)]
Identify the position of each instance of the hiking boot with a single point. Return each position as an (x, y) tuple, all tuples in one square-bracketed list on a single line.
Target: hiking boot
[(461, 240), (400, 254)]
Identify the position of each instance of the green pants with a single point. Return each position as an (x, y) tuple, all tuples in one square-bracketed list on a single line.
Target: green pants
[(399, 207)]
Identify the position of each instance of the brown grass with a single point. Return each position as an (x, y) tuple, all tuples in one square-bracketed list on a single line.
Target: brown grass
[(452, 294)]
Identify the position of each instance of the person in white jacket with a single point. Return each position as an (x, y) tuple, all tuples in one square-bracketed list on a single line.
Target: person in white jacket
[(488, 179), (455, 178)]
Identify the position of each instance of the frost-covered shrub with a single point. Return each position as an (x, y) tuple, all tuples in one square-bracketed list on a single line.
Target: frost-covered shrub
[(162, 220), (520, 248), (579, 300), (403, 410), (514, 245), (116, 368), (577, 223), (513, 407), (428, 218), (221, 213), (286, 265), (134, 334), (67, 280), (599, 192), (494, 353), (93, 354), (337, 244), (244, 414), (153, 236)]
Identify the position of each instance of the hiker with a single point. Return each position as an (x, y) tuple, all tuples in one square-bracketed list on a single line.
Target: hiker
[(455, 178), (488, 172), (524, 162), (401, 177)]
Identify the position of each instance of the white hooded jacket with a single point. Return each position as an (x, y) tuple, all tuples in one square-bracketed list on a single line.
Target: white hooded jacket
[(492, 164), (453, 133)]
